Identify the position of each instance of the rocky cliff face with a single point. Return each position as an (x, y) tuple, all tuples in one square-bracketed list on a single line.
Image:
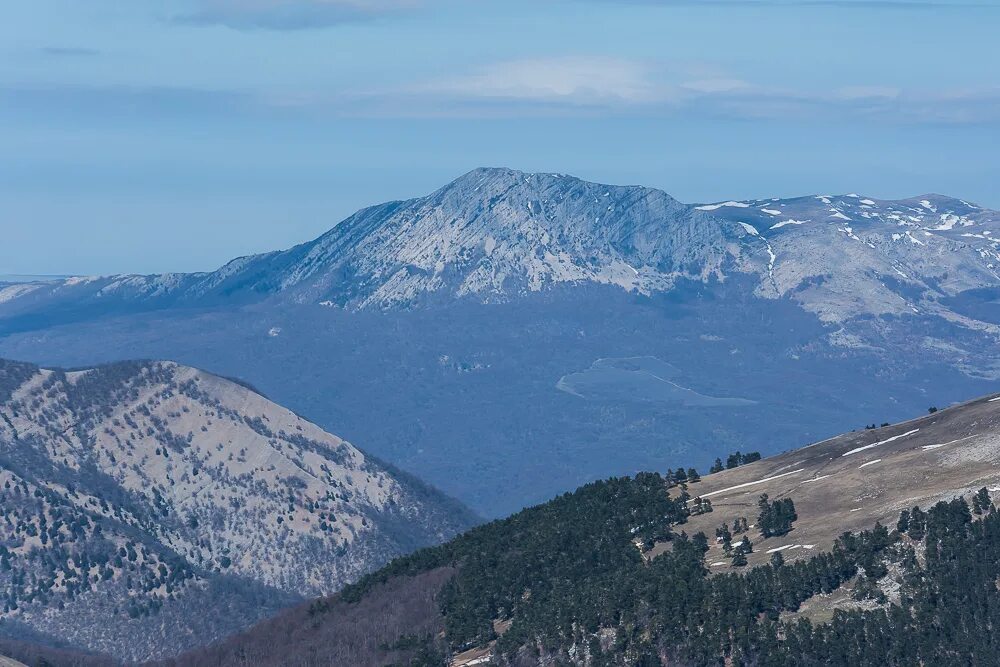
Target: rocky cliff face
[(141, 498)]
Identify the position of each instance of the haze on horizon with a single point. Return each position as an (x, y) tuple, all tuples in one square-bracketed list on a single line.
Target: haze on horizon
[(177, 134)]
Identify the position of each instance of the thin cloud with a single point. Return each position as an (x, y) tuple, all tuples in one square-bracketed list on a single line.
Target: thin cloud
[(291, 14), (611, 86), (569, 87), (570, 80)]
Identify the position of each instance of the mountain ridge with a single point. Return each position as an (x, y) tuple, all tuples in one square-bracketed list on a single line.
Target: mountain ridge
[(144, 495), (494, 232)]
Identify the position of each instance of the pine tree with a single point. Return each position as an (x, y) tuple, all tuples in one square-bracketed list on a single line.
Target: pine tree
[(903, 524), (776, 517)]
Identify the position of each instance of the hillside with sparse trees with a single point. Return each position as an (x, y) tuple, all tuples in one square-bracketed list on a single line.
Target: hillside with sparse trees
[(150, 507)]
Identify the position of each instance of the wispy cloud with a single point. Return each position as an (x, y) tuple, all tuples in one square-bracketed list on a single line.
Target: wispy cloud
[(547, 87), (290, 14), (572, 80), (613, 86)]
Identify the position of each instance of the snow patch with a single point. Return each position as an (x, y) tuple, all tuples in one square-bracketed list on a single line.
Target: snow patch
[(746, 484), (880, 442), (790, 546), (80, 280), (945, 444), (788, 222), (713, 207), (949, 220)]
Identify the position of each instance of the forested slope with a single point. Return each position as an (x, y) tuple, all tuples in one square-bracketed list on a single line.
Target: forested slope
[(616, 574)]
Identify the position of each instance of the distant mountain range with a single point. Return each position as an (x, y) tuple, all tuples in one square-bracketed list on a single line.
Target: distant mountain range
[(495, 234), (577, 329), (150, 507)]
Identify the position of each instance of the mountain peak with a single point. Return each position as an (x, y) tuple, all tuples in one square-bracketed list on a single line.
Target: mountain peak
[(481, 174), (494, 234), (484, 182)]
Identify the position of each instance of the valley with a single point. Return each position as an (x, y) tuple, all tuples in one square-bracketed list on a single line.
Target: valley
[(418, 328)]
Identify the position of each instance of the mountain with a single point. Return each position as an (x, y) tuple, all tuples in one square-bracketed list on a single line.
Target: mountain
[(495, 234), (149, 507), (579, 329), (891, 559)]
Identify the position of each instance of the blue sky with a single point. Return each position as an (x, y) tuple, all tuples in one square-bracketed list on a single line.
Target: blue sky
[(159, 135)]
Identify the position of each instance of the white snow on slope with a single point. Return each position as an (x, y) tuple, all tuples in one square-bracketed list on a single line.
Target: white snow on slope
[(881, 442), (746, 484), (816, 479), (944, 444), (713, 207), (788, 222), (777, 549), (870, 463)]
